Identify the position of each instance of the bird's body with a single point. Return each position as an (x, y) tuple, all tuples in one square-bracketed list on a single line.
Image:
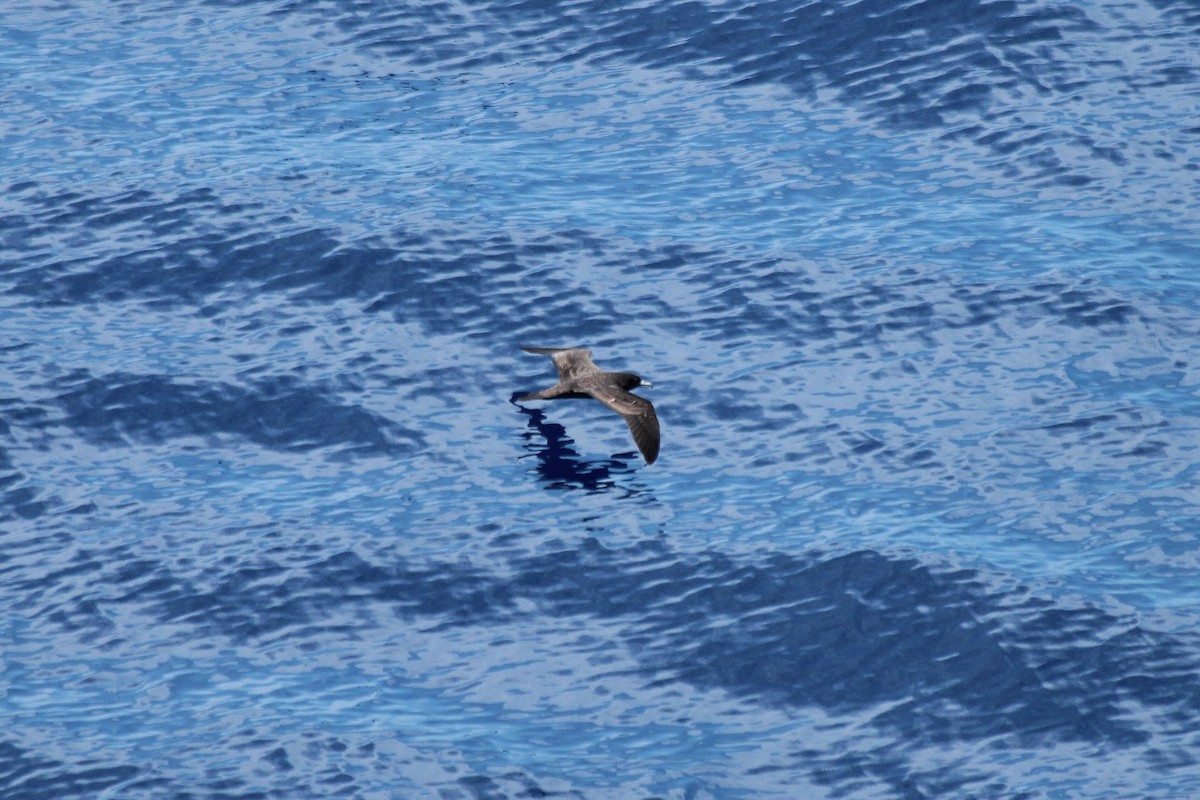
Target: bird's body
[(578, 377)]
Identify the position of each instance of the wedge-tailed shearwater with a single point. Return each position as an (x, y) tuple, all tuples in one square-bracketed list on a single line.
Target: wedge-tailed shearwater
[(579, 377)]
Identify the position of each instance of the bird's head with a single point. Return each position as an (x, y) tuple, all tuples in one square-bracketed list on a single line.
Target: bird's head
[(629, 381)]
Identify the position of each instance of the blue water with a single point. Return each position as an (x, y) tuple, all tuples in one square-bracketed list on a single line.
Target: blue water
[(917, 285)]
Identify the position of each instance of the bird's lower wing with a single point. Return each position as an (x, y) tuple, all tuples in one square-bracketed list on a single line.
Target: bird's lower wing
[(639, 416)]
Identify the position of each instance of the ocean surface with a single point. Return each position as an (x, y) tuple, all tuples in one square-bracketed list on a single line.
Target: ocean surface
[(918, 286)]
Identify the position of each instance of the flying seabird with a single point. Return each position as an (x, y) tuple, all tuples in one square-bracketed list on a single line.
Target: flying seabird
[(579, 377)]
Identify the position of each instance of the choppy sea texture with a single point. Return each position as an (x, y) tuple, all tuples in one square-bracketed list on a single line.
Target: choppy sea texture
[(916, 287)]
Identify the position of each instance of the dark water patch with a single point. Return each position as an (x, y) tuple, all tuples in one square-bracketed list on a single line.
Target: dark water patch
[(860, 47), (25, 775), (1078, 424), (776, 300), (944, 658), (19, 500), (81, 249), (24, 423), (1126, 432), (308, 764), (1081, 308), (66, 227), (286, 600), (1182, 13), (514, 784), (280, 413), (194, 251), (483, 284), (62, 586)]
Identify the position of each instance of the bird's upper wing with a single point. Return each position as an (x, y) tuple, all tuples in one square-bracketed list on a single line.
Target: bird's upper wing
[(639, 416), (571, 362)]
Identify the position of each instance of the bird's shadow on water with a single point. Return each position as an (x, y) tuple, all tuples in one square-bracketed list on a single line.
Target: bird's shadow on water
[(560, 466)]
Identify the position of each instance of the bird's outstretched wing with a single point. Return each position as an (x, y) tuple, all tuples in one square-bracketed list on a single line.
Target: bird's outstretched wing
[(571, 362), (639, 416)]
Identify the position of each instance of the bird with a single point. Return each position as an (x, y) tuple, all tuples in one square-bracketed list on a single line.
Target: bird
[(578, 377)]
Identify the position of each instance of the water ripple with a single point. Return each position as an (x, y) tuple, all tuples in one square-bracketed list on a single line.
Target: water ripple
[(914, 283)]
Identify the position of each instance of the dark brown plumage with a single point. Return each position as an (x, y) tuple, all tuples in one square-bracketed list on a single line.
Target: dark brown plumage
[(579, 377)]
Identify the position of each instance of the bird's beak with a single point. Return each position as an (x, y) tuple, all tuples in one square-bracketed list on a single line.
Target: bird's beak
[(646, 383)]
